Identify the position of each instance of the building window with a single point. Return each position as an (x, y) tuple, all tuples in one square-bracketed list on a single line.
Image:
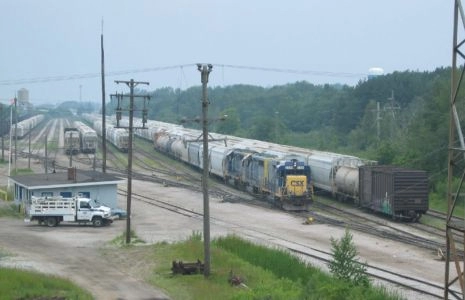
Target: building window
[(46, 194), (66, 194), (84, 194)]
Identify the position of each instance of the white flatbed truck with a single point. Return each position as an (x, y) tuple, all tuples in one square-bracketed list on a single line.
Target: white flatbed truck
[(51, 211)]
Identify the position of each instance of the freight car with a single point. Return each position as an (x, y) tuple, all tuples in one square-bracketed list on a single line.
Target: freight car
[(22, 128), (399, 192), (72, 141), (88, 137), (118, 137)]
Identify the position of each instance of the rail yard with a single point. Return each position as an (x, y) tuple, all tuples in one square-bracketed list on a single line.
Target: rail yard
[(168, 206)]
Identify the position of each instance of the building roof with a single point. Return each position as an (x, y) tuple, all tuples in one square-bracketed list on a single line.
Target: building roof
[(73, 177)]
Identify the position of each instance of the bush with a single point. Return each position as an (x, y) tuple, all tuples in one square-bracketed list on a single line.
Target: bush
[(345, 264)]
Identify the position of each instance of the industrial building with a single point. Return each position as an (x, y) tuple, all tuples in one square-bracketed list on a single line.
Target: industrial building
[(101, 187)]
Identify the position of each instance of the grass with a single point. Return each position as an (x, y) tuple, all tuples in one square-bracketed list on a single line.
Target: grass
[(23, 284), (121, 239), (53, 146), (266, 274), (9, 210)]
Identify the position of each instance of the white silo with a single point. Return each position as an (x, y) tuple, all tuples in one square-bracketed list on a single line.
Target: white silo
[(23, 95)]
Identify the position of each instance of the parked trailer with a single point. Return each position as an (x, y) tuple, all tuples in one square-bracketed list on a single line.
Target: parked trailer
[(398, 192), (51, 211)]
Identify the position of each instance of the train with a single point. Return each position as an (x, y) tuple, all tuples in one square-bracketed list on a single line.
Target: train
[(88, 137), (22, 128), (253, 165), (71, 141)]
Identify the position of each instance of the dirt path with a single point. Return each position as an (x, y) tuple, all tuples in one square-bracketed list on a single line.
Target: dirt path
[(72, 252)]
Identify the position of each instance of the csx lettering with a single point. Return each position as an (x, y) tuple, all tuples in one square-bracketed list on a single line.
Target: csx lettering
[(297, 183)]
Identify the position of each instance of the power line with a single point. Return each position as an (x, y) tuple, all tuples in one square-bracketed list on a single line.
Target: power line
[(165, 68), (295, 71), (87, 75)]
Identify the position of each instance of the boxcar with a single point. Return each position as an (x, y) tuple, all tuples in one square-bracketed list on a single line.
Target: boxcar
[(398, 192)]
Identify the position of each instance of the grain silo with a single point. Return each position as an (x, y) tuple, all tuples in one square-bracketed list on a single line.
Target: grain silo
[(23, 95)]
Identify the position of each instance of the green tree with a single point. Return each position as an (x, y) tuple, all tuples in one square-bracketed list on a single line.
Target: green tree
[(345, 264), (230, 124)]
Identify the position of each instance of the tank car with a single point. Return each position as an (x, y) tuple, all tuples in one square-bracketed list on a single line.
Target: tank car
[(72, 141), (88, 137)]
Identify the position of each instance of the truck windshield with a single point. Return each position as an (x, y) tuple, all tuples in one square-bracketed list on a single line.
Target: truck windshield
[(92, 203)]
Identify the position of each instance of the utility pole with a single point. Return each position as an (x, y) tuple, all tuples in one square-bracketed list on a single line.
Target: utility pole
[(205, 71), (131, 84), (29, 150), (46, 154), (71, 142), (104, 135), (378, 119), (3, 133), (16, 132), (456, 168)]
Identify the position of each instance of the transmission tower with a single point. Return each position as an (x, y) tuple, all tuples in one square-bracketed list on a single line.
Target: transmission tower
[(454, 268)]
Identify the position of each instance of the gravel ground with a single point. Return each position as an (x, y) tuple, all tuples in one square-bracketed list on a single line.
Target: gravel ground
[(74, 251)]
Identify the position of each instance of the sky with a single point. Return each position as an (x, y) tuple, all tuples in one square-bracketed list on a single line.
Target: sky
[(52, 47)]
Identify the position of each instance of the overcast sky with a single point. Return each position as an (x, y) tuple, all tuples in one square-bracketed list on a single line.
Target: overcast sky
[(47, 44)]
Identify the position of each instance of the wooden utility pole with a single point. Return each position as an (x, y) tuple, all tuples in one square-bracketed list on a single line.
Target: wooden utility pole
[(104, 126), (29, 149), (131, 84), (205, 71)]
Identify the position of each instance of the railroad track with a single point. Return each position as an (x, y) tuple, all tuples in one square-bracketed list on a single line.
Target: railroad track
[(306, 252), (378, 227), (175, 175)]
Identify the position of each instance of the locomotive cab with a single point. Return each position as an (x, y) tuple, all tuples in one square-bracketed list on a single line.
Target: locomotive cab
[(294, 185)]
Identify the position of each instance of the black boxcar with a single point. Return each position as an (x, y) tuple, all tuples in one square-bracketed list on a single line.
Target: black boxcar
[(398, 192)]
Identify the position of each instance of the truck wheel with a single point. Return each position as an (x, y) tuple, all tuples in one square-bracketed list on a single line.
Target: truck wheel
[(51, 222), (97, 222)]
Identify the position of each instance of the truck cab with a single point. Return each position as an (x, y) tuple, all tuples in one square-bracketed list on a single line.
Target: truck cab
[(53, 210), (89, 210)]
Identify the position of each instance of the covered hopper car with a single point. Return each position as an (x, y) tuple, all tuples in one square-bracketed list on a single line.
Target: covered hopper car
[(22, 128), (88, 137), (72, 141)]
